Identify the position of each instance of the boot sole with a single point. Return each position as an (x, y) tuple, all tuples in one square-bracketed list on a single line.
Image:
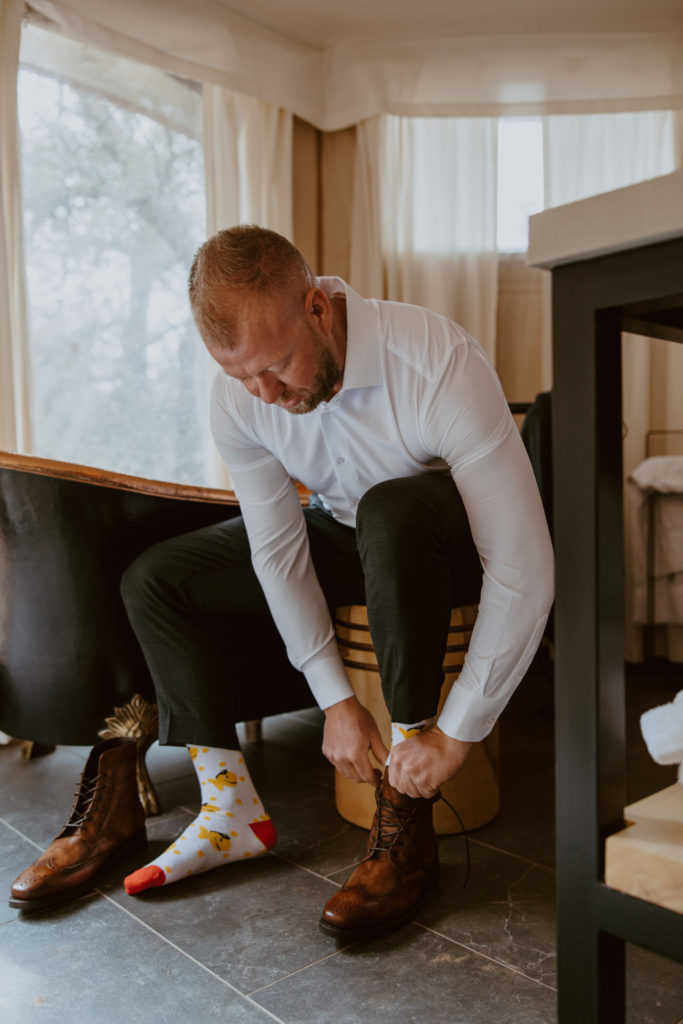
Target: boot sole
[(133, 845), (376, 931), (347, 935)]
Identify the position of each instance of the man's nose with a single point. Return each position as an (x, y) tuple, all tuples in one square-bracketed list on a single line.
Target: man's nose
[(269, 387)]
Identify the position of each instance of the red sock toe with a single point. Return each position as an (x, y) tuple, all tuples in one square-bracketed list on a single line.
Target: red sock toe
[(265, 831), (144, 878)]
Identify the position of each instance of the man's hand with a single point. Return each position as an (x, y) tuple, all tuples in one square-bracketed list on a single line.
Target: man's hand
[(421, 764), (350, 733)]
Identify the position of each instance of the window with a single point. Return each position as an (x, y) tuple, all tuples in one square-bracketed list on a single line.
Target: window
[(527, 163), (520, 180), (453, 168), (560, 159), (112, 178)]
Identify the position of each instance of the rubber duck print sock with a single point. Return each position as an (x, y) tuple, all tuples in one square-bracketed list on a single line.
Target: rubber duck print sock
[(401, 731), (231, 825)]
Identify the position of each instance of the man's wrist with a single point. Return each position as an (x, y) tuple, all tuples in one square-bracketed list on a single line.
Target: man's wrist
[(339, 706), (450, 739)]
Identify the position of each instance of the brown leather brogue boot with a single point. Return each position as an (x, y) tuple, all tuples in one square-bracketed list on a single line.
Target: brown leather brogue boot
[(107, 823), (400, 865)]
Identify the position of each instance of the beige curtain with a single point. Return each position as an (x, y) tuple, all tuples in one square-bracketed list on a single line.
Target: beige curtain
[(523, 320), (248, 162), (424, 217), (15, 432), (585, 156), (248, 173), (523, 329), (366, 270)]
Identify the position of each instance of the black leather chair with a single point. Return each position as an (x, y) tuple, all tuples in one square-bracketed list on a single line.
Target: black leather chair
[(68, 656)]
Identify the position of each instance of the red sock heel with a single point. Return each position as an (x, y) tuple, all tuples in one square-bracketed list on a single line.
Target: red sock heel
[(265, 831)]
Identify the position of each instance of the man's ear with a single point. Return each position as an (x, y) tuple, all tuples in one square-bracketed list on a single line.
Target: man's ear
[(319, 306)]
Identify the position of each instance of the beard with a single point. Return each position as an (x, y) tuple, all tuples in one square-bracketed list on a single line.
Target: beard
[(326, 377)]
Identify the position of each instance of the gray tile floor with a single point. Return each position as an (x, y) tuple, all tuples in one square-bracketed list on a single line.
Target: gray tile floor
[(241, 944)]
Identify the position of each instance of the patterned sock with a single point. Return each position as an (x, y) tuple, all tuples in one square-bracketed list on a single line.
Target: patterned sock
[(231, 825), (400, 731)]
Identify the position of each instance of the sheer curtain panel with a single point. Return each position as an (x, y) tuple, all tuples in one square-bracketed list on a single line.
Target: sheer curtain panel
[(597, 153), (425, 217), (248, 173), (247, 161), (15, 429)]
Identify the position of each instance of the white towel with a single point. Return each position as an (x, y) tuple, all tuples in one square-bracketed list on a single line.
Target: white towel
[(662, 729), (661, 475)]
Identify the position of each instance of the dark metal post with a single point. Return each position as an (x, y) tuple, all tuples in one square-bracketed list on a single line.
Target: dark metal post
[(587, 439)]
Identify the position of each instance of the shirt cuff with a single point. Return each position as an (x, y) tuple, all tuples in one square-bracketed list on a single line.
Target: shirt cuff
[(326, 676), (469, 716)]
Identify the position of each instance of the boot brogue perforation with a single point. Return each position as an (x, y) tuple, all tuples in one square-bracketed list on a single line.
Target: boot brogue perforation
[(107, 823), (399, 868)]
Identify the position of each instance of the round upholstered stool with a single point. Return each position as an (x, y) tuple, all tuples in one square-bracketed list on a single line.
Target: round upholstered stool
[(475, 791)]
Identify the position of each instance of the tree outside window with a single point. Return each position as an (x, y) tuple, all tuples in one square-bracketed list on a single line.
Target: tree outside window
[(112, 178)]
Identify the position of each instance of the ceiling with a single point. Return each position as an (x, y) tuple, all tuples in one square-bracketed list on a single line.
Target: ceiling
[(335, 63), (323, 22)]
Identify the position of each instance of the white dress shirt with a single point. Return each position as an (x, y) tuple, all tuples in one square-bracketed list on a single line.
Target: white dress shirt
[(418, 394)]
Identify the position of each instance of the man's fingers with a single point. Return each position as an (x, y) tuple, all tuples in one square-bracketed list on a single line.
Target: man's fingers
[(378, 749), (404, 785), (350, 735), (348, 770), (366, 772), (408, 780), (358, 769)]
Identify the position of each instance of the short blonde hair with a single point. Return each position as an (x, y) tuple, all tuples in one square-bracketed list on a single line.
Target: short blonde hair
[(245, 259)]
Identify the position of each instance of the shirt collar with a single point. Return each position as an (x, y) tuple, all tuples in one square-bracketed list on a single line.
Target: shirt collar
[(363, 366)]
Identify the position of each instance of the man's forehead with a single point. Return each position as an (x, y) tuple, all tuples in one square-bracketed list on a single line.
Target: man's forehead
[(259, 340), (259, 326), (255, 312)]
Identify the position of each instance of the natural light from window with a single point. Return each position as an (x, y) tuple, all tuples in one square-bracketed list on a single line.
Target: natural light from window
[(113, 187), (520, 180), (114, 211)]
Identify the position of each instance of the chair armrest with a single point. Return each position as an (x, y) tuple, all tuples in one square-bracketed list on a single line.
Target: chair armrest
[(119, 481)]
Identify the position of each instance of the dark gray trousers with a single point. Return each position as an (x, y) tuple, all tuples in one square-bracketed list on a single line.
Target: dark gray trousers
[(410, 559)]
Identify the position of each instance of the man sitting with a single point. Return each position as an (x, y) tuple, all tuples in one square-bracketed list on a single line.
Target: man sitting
[(424, 499)]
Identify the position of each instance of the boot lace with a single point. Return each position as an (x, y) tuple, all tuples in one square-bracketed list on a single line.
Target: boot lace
[(463, 832), (392, 822), (85, 796)]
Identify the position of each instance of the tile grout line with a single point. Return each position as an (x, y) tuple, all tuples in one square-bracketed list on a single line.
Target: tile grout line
[(314, 963), (3, 821), (509, 853), (302, 867), (492, 959), (188, 810), (188, 956), (345, 867), (247, 996)]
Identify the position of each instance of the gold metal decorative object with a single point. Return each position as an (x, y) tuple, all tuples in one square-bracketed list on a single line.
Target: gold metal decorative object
[(138, 720)]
